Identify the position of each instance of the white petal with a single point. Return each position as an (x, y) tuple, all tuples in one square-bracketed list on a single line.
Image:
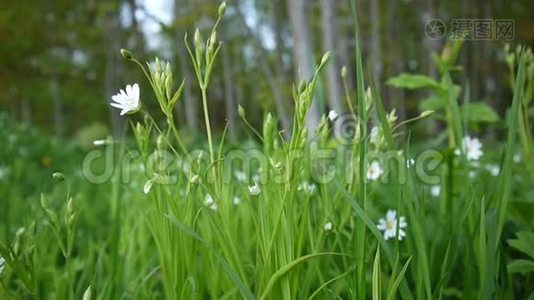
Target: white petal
[(381, 226), (129, 90), (391, 215), (118, 98), (117, 105), (135, 92)]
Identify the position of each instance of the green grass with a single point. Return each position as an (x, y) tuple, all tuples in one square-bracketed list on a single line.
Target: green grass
[(166, 223)]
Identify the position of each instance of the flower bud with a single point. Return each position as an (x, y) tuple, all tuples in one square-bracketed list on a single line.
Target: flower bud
[(70, 208), (212, 41), (161, 143), (43, 202), (302, 86), (344, 72), (194, 179), (87, 294), (126, 54), (325, 58), (222, 8), (240, 111), (426, 113), (58, 176), (197, 39)]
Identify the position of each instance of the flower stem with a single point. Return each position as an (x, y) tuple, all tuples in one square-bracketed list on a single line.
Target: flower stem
[(208, 126)]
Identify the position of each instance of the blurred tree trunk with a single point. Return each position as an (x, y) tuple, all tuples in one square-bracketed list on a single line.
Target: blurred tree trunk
[(229, 94), (335, 99), (136, 38), (279, 40), (282, 76), (298, 15), (182, 59), (376, 49), (112, 42), (395, 49), (275, 88), (427, 13), (344, 46)]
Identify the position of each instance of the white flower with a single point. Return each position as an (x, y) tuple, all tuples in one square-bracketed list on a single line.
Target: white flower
[(333, 115), (435, 191), (472, 148), (493, 169), (240, 176), (127, 102), (254, 190), (517, 158), (210, 203), (327, 226), (236, 200), (389, 225), (374, 171), (306, 187), (472, 174), (373, 136), (2, 262)]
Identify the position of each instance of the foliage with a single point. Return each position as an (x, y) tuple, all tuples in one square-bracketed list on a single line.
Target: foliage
[(274, 218)]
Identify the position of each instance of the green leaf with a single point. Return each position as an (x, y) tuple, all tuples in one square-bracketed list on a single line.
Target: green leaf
[(432, 103), (413, 81), (245, 291), (524, 243), (398, 280), (376, 276), (521, 266), (288, 267), (479, 112)]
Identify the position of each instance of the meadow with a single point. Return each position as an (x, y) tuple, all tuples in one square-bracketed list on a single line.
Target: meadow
[(369, 212)]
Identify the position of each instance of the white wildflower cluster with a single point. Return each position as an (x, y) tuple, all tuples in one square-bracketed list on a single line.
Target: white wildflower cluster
[(333, 115), (389, 225), (493, 169), (240, 176), (307, 188), (254, 190), (236, 200), (472, 148), (374, 171), (210, 203), (435, 190)]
